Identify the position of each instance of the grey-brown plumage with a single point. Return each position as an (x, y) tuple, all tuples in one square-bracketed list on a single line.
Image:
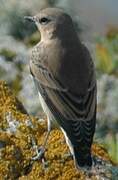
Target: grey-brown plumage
[(64, 75)]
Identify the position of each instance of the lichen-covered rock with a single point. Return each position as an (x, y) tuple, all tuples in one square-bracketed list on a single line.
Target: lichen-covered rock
[(20, 134)]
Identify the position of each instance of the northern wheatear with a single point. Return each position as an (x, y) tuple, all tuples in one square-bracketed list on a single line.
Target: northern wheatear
[(63, 72)]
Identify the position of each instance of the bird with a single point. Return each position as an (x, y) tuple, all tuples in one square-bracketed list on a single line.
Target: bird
[(64, 74)]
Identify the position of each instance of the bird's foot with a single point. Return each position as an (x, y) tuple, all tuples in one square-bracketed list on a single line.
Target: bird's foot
[(40, 156)]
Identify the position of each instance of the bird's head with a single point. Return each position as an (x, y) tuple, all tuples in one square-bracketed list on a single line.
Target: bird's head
[(53, 23)]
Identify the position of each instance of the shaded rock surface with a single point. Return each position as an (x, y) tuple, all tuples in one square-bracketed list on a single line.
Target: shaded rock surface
[(20, 133)]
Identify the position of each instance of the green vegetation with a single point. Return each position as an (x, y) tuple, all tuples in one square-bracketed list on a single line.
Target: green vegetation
[(8, 54), (107, 52), (107, 67), (33, 40)]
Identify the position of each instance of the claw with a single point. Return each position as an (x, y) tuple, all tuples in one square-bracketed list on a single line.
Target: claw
[(40, 154), (40, 157)]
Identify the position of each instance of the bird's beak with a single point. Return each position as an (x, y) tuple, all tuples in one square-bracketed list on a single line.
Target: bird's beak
[(30, 18)]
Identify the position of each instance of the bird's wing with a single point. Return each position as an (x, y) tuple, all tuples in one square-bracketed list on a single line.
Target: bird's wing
[(70, 105)]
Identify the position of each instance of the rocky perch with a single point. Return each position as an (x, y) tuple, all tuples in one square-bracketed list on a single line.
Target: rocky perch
[(20, 134)]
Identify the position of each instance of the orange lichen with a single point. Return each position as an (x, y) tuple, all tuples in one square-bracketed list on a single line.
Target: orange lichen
[(17, 146)]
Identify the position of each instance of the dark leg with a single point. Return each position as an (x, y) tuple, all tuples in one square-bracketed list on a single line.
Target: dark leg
[(40, 151)]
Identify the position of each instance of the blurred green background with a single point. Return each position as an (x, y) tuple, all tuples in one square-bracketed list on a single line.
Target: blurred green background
[(97, 25)]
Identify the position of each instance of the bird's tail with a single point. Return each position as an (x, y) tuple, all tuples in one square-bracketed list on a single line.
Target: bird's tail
[(82, 157)]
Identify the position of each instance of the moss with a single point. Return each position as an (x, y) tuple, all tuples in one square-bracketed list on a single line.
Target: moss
[(17, 149), (8, 54)]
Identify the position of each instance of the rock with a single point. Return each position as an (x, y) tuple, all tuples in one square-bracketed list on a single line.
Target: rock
[(20, 133)]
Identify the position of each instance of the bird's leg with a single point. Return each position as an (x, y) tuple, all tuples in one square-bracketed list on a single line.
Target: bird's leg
[(40, 151)]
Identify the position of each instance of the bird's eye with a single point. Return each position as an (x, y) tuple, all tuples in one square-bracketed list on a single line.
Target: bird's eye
[(44, 20)]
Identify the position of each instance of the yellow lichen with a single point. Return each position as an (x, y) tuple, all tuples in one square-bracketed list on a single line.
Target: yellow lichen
[(17, 149)]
